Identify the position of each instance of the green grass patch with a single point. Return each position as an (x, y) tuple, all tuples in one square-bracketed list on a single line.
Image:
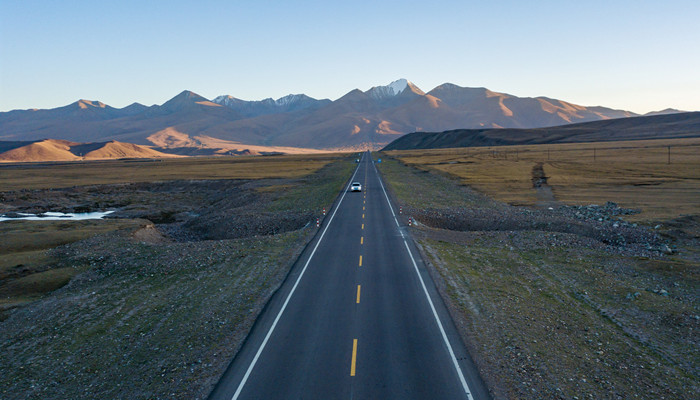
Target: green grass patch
[(314, 191), (422, 188)]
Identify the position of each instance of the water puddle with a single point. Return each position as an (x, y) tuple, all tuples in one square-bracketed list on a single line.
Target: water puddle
[(55, 216)]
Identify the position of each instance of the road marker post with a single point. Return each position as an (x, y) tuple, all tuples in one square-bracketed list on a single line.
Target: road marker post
[(400, 209), (318, 222), (410, 221), (324, 211)]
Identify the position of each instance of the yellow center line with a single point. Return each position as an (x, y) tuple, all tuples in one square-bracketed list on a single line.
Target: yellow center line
[(358, 294), (360, 261), (363, 226), (354, 357), (363, 216), (363, 208), (362, 240)]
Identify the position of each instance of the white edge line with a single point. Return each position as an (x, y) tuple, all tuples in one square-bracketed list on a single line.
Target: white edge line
[(279, 315), (427, 295)]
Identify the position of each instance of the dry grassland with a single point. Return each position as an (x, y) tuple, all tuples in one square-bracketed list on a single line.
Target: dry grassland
[(59, 175), (635, 174)]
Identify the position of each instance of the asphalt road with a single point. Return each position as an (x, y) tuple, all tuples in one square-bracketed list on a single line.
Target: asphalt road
[(358, 317)]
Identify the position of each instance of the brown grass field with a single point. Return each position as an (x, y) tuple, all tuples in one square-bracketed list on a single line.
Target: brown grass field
[(59, 175), (634, 174)]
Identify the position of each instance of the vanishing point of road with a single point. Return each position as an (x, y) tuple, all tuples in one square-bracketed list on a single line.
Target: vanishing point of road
[(358, 317)]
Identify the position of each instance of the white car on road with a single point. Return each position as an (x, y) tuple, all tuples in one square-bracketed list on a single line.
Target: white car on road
[(355, 187)]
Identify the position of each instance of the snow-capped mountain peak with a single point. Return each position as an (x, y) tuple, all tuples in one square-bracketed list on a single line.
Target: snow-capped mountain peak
[(288, 99), (398, 86), (226, 100), (292, 102), (219, 99), (393, 89)]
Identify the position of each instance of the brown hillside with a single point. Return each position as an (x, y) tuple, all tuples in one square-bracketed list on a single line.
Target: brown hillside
[(45, 150), (116, 149), (62, 150)]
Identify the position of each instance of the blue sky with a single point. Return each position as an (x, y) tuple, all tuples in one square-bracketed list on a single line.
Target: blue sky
[(634, 55)]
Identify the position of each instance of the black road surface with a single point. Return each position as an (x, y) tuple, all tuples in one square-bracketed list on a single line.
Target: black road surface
[(357, 318)]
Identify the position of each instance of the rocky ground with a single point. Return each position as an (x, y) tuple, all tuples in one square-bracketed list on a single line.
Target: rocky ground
[(601, 223), (184, 210), (157, 312), (561, 301)]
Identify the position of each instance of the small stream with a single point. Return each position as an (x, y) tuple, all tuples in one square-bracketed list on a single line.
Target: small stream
[(54, 216)]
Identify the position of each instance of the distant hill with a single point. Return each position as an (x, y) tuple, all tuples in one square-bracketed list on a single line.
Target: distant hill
[(662, 126), (357, 120), (664, 111), (63, 150)]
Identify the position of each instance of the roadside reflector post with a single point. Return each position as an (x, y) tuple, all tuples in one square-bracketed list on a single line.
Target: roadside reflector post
[(409, 221), (400, 209), (324, 210), (318, 222)]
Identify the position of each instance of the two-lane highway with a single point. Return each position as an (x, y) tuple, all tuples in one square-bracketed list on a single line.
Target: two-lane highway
[(358, 317)]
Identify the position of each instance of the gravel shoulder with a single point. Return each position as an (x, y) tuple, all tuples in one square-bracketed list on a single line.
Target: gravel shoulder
[(560, 301)]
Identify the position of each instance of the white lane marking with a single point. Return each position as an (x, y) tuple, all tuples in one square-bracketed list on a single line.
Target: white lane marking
[(279, 315), (430, 301), (387, 200)]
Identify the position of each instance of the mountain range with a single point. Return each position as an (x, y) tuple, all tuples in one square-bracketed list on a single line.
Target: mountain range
[(358, 120)]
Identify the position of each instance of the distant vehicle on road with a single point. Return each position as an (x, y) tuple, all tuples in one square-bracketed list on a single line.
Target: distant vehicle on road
[(355, 187), (357, 160)]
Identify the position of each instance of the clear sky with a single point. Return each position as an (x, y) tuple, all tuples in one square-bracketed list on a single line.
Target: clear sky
[(635, 55)]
